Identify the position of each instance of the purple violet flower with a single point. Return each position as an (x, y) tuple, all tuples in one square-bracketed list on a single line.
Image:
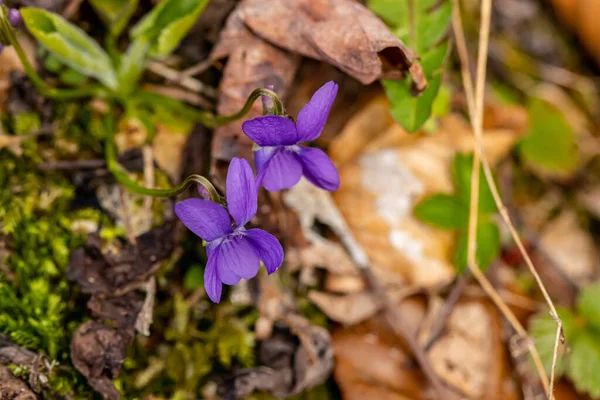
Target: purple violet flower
[(233, 252), (14, 17), (281, 160)]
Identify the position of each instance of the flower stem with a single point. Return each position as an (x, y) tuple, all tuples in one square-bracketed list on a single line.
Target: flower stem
[(123, 178)]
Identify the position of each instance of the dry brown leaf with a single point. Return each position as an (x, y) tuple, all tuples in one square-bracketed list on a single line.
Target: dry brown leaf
[(471, 356), (168, 148), (582, 17), (392, 376), (348, 310), (382, 183), (570, 248), (253, 63), (341, 32)]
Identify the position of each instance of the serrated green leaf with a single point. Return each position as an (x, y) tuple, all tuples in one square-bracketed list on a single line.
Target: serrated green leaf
[(70, 45), (421, 25), (462, 168), (588, 305), (551, 143), (443, 211), (488, 247), (115, 13), (584, 364), (168, 23), (542, 328)]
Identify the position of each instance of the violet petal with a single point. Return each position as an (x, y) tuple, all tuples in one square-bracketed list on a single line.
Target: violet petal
[(270, 130), (264, 154), (282, 171), (241, 192), (318, 168), (237, 260), (313, 116), (212, 282), (206, 219), (267, 248)]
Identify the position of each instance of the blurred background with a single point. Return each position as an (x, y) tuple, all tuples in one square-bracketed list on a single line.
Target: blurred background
[(102, 289)]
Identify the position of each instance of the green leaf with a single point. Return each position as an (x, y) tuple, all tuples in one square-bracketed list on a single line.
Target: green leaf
[(584, 364), (115, 13), (462, 168), (542, 328), (71, 77), (443, 211), (132, 65), (194, 278), (488, 247), (550, 143), (70, 45), (588, 305), (168, 23), (421, 24)]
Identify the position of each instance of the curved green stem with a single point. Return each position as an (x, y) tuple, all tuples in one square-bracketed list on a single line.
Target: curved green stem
[(123, 178), (207, 118)]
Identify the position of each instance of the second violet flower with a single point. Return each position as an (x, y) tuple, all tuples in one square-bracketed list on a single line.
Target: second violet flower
[(282, 160)]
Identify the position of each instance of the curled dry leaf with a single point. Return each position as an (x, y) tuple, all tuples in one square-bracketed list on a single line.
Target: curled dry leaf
[(341, 32), (264, 41), (97, 351), (390, 172)]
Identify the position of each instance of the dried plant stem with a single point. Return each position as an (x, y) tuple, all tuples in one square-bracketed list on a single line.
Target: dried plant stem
[(148, 155), (181, 79), (475, 106)]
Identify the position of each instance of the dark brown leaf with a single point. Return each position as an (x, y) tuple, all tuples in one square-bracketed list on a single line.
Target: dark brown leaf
[(13, 388), (121, 311), (97, 351), (253, 63), (118, 273), (289, 367)]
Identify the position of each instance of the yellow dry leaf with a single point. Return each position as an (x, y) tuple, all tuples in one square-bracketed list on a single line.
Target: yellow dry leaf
[(389, 172)]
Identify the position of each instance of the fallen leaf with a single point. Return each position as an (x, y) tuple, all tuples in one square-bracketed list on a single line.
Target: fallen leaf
[(392, 376), (580, 15), (253, 63), (289, 367), (112, 273), (392, 171), (122, 311), (471, 356), (349, 309), (570, 248), (12, 387), (341, 32), (97, 351)]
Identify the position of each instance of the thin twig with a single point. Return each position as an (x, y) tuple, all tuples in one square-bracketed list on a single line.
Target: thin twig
[(442, 316), (198, 68), (183, 80), (394, 318), (148, 156), (476, 114)]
